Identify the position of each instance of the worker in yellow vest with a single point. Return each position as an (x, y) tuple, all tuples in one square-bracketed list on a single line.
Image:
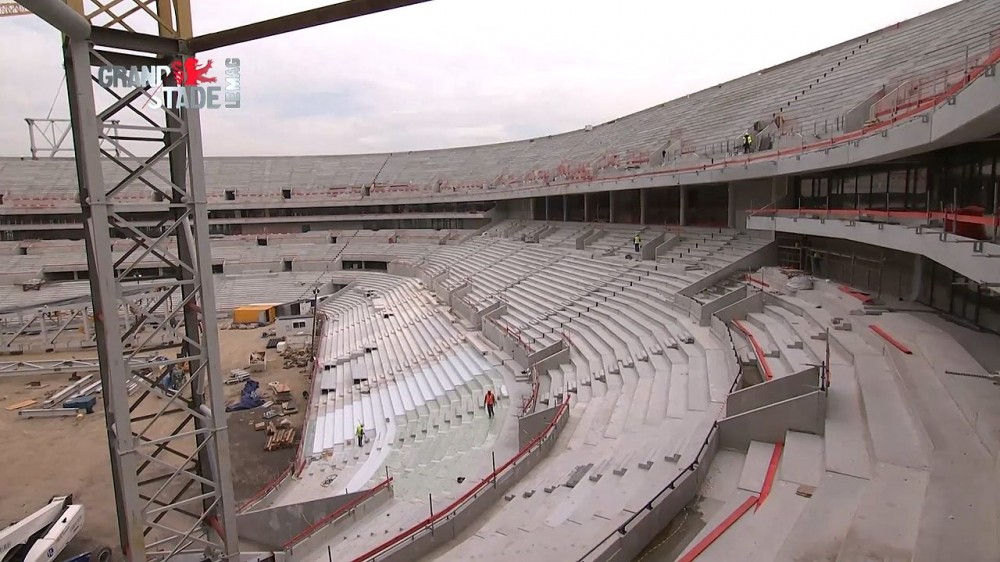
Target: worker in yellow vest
[(361, 435), (637, 241)]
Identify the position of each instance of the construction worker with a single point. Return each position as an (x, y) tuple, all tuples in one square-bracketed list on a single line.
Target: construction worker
[(361, 434), (747, 142), (489, 401), (637, 241)]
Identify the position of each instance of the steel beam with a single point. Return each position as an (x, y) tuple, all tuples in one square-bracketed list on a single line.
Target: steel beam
[(60, 16), (294, 22), (53, 413), (53, 367), (169, 456)]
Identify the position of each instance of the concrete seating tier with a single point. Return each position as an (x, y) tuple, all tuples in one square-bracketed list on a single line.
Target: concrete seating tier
[(905, 453), (637, 398), (812, 94), (392, 360)]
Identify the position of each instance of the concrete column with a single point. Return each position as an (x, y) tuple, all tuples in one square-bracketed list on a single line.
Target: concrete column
[(611, 207), (546, 207), (731, 200), (586, 207), (642, 205), (918, 277), (565, 208), (774, 192), (684, 201)]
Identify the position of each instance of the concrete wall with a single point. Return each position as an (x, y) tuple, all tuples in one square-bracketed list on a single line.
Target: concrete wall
[(403, 269), (767, 255), (530, 425), (437, 285), (703, 312), (589, 237), (772, 391), (668, 243), (739, 310), (806, 413), (517, 209), (274, 526), (545, 353), (649, 248), (425, 542), (749, 194), (558, 358), (459, 306)]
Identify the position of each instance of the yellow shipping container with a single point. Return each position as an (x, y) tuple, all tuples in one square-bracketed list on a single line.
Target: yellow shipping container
[(255, 314)]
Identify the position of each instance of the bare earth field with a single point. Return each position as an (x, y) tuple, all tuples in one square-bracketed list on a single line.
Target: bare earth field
[(45, 457)]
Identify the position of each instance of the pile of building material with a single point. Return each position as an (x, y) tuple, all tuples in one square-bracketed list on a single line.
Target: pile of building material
[(296, 358), (279, 438), (80, 389), (282, 392), (237, 376)]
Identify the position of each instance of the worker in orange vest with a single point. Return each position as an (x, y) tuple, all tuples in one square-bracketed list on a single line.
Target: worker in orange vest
[(489, 402)]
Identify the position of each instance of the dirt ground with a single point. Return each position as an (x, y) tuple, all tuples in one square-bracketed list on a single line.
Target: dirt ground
[(45, 457)]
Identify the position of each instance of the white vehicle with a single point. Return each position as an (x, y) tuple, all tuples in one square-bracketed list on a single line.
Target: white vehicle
[(41, 536)]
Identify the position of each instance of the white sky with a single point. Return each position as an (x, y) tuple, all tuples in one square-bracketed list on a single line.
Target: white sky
[(458, 72)]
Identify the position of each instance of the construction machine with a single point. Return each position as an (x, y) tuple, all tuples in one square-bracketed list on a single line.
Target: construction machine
[(43, 535)]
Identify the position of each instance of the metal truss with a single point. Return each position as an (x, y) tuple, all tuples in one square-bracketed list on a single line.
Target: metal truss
[(170, 457), (57, 366), (64, 326), (48, 137)]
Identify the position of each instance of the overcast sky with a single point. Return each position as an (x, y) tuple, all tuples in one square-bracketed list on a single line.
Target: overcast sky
[(458, 72)]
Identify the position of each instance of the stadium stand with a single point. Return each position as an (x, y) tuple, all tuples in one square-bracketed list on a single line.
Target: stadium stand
[(677, 402), (796, 103)]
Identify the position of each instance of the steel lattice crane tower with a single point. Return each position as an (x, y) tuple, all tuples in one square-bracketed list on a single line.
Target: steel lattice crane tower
[(169, 446)]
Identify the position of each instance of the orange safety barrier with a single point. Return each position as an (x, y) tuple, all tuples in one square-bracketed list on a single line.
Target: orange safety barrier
[(896, 343), (752, 279), (860, 295), (757, 349), (453, 507), (728, 522), (772, 472)]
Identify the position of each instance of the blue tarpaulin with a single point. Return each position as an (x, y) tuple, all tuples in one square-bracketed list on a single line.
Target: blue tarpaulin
[(248, 398)]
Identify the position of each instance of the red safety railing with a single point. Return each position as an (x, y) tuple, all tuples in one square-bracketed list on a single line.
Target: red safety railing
[(927, 102), (344, 510), (449, 511), (267, 489), (757, 349), (955, 221), (300, 457)]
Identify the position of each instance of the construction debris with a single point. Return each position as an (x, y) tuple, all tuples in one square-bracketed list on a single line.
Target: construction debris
[(296, 358), (20, 405), (258, 362), (279, 438)]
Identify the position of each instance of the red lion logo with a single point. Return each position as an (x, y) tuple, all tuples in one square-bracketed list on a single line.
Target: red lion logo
[(189, 73)]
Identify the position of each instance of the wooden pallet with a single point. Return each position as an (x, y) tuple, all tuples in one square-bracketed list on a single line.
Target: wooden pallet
[(280, 439)]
